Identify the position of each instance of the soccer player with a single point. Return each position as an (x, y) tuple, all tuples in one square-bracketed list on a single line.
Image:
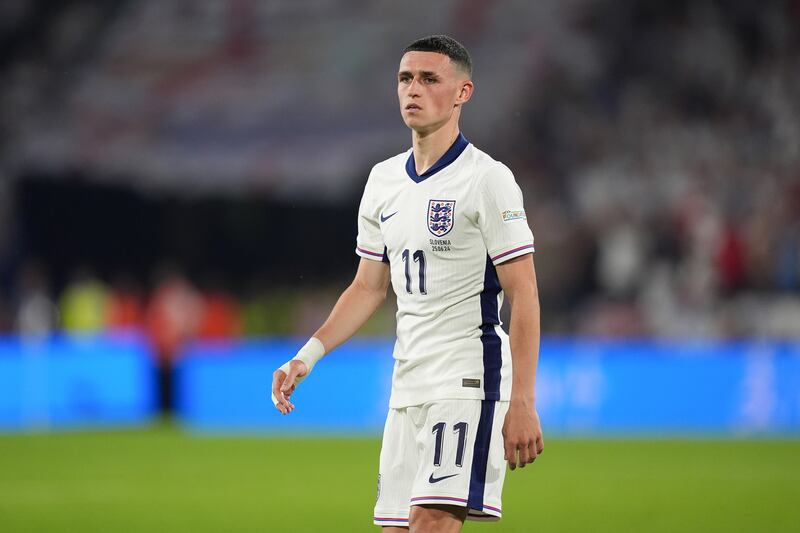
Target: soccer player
[(445, 223)]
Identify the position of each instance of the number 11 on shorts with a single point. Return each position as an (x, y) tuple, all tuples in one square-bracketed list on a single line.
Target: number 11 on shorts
[(459, 428)]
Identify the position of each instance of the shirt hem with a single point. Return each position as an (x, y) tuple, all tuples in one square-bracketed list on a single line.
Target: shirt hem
[(510, 252), (369, 254)]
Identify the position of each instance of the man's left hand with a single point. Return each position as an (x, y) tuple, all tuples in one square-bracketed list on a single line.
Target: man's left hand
[(522, 434)]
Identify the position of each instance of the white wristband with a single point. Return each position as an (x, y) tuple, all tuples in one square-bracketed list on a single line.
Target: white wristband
[(310, 353)]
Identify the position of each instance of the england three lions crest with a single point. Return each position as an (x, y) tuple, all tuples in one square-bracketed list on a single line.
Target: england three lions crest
[(440, 216)]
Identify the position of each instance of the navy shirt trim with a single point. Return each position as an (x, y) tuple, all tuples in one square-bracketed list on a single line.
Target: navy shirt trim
[(449, 156)]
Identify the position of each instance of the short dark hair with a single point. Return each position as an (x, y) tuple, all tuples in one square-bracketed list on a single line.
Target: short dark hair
[(443, 44)]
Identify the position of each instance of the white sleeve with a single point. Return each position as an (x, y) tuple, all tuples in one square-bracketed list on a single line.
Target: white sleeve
[(369, 242), (501, 216)]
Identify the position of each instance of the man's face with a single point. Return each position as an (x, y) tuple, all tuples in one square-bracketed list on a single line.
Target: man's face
[(429, 87)]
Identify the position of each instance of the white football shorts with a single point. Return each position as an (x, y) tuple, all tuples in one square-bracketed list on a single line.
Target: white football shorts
[(447, 452)]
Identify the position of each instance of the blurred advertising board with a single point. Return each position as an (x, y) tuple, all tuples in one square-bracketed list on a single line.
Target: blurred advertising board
[(73, 382), (585, 387)]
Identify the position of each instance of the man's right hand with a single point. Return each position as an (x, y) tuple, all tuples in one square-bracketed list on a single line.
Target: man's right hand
[(283, 385)]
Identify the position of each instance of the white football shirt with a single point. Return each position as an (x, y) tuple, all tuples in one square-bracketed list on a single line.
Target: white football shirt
[(442, 234)]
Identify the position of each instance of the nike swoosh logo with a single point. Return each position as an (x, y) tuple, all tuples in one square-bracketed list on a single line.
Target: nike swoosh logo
[(438, 479), (384, 219)]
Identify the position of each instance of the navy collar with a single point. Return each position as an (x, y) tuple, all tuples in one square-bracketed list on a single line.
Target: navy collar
[(449, 156)]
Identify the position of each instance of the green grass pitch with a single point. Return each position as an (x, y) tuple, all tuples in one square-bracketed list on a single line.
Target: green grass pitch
[(161, 479)]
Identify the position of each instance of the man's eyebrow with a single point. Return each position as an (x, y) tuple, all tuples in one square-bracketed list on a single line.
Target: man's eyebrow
[(425, 73)]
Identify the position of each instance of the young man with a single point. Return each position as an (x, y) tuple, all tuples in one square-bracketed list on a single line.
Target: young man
[(445, 223)]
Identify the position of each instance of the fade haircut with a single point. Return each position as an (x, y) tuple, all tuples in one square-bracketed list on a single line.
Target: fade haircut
[(443, 44)]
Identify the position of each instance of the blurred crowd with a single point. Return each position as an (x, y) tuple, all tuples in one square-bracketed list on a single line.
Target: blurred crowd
[(666, 170), (657, 144), (171, 311)]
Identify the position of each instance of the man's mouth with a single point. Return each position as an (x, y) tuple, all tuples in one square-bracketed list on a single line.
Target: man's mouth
[(412, 106)]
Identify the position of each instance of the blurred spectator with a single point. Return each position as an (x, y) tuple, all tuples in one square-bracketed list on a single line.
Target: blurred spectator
[(730, 260), (37, 314), (787, 241), (622, 255), (173, 314), (172, 318), (84, 303), (125, 305)]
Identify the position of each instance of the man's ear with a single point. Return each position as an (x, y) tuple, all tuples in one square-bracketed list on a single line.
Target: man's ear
[(464, 93)]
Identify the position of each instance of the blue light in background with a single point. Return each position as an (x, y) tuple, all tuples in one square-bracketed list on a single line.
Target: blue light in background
[(75, 382), (584, 387), (228, 386)]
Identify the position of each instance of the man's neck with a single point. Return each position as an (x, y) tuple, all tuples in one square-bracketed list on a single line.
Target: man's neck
[(430, 147)]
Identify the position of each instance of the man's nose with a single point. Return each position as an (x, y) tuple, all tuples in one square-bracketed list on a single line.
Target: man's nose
[(413, 87)]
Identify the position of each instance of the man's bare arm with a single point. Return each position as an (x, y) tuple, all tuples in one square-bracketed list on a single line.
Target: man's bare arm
[(522, 430), (356, 304)]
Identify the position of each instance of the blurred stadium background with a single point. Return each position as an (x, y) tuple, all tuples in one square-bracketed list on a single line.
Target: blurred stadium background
[(178, 188)]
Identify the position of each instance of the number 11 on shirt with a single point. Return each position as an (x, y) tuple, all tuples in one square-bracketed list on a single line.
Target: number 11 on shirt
[(419, 257)]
